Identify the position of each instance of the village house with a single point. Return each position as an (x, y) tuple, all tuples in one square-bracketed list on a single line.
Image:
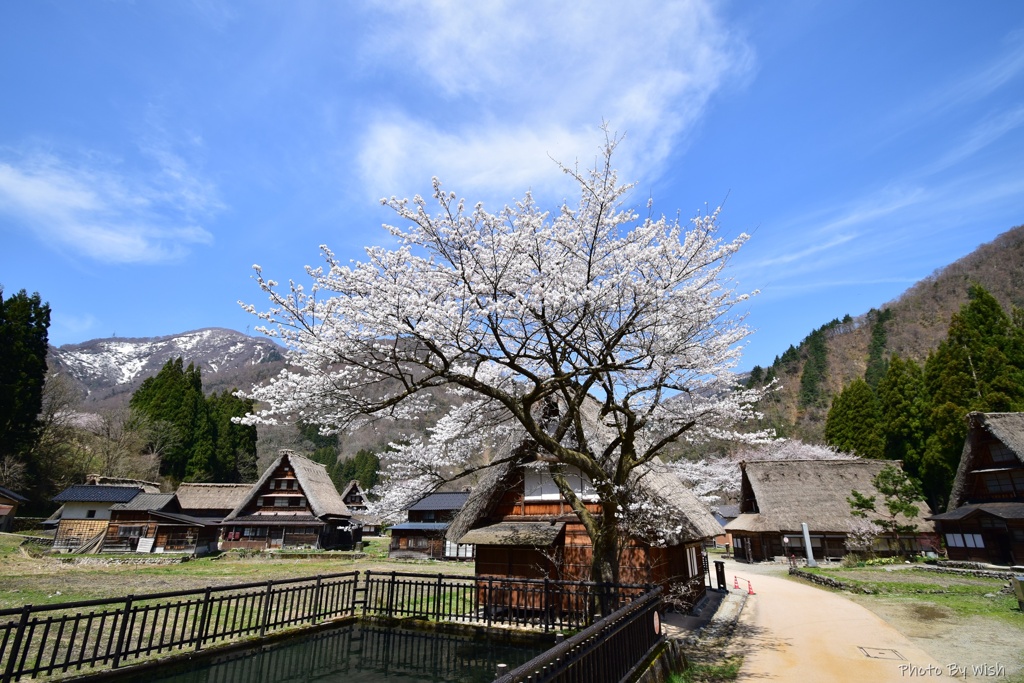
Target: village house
[(423, 535), (85, 514), (778, 495), (154, 522), (9, 501), (293, 505), (984, 521), (523, 528), (358, 503), (724, 514)]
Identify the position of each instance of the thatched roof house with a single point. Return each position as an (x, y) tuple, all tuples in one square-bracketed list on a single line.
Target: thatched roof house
[(984, 521), (294, 503), (522, 528), (777, 496)]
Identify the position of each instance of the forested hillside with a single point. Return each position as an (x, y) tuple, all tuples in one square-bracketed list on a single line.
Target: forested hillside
[(812, 372)]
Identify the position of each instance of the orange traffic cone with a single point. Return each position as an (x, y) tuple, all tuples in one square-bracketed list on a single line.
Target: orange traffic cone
[(750, 589), (735, 582)]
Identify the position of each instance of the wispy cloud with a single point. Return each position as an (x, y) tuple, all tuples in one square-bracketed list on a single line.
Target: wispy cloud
[(102, 211), (516, 83)]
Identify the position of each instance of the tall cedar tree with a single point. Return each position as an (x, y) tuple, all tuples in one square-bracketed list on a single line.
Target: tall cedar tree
[(902, 403), (205, 444), (853, 423), (980, 367), (24, 325)]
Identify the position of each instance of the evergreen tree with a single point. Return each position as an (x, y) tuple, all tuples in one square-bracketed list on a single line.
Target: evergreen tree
[(24, 325), (364, 467), (977, 367), (199, 441), (813, 376), (877, 364), (902, 406), (854, 422)]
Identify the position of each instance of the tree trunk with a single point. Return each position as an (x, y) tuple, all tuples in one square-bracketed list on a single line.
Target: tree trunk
[(604, 566)]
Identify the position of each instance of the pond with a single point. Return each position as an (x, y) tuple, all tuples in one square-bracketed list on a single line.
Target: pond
[(363, 653)]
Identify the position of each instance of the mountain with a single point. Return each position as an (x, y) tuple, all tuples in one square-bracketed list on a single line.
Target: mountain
[(835, 354), (108, 371)]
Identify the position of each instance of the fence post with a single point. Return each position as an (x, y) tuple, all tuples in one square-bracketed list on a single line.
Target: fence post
[(26, 611), (391, 595), (122, 631), (266, 607), (204, 620), (437, 598), (548, 612), (316, 598), (489, 600)]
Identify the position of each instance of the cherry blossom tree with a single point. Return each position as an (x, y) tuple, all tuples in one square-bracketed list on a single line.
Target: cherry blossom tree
[(589, 339)]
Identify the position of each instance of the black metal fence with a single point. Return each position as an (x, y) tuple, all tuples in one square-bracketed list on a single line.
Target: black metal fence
[(608, 651), (74, 636), (56, 639), (541, 603)]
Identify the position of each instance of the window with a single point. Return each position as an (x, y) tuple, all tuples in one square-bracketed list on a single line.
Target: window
[(90, 514), (417, 542), (129, 531), (298, 502), (1000, 453), (281, 502), (964, 540), (998, 482), (691, 561), (538, 484)]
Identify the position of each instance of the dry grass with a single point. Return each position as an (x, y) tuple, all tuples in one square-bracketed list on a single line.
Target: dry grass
[(50, 579)]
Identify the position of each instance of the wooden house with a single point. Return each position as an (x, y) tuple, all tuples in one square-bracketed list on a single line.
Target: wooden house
[(9, 502), (778, 495), (423, 535), (523, 528), (358, 503), (85, 513), (154, 522), (724, 514), (293, 505), (984, 521)]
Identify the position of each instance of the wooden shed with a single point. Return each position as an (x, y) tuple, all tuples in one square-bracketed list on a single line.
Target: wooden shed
[(9, 501), (155, 523), (422, 536), (778, 495), (984, 521)]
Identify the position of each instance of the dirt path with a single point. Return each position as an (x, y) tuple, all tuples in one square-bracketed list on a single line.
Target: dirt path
[(793, 632)]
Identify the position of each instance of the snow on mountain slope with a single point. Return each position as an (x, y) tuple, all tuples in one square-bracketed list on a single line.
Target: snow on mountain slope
[(113, 366)]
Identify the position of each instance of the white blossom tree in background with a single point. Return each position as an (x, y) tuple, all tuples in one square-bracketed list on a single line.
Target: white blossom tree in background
[(718, 479), (590, 338)]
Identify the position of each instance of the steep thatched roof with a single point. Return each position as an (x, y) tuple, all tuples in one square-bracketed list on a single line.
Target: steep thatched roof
[(1008, 428), (314, 482), (780, 494), (199, 497), (685, 517)]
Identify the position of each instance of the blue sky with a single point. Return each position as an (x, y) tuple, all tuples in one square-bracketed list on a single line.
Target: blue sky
[(150, 153)]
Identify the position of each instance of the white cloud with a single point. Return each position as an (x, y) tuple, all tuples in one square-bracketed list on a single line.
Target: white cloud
[(515, 83), (106, 213)]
